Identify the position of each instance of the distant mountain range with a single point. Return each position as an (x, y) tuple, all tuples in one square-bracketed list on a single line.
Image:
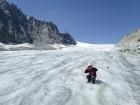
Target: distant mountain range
[(131, 42), (16, 27)]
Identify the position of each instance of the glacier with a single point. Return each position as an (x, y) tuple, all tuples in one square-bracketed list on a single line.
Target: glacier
[(56, 77)]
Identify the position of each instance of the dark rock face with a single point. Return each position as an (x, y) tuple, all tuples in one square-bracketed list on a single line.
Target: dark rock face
[(15, 27)]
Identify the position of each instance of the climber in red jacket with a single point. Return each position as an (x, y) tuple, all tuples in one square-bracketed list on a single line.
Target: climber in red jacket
[(92, 73)]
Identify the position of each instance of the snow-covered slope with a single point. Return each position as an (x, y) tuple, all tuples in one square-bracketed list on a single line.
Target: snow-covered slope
[(57, 77), (16, 46), (96, 46), (81, 44), (27, 46)]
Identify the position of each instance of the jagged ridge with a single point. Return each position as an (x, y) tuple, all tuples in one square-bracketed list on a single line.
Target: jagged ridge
[(16, 27)]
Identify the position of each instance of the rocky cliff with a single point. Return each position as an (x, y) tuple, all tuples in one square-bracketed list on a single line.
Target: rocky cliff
[(16, 27), (131, 42)]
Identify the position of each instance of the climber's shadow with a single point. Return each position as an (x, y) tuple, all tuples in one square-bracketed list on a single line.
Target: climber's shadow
[(99, 82)]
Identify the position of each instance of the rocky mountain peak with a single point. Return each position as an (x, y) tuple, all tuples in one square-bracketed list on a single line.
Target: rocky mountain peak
[(131, 42), (3, 1), (16, 27)]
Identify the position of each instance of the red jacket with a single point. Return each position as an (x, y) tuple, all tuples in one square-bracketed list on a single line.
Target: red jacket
[(91, 72)]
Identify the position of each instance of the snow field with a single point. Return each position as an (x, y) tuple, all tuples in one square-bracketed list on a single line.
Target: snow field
[(57, 77)]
